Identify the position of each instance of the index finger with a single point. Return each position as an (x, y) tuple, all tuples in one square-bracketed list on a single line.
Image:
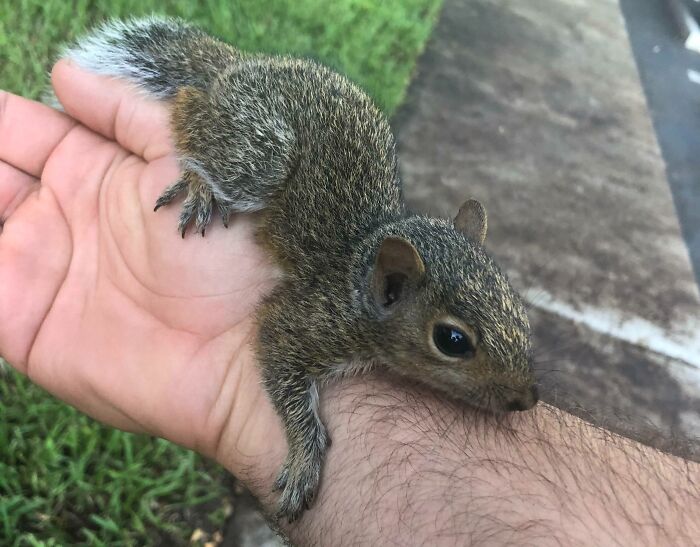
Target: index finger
[(29, 132), (114, 109)]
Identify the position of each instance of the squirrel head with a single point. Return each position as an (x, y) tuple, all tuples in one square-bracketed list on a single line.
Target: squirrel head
[(443, 313)]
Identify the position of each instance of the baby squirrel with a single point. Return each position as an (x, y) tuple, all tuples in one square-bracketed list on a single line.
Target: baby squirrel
[(366, 283)]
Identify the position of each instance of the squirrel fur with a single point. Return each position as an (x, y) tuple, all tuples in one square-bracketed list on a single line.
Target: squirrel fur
[(365, 282)]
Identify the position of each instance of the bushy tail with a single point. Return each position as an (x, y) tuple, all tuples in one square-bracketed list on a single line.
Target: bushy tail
[(157, 54)]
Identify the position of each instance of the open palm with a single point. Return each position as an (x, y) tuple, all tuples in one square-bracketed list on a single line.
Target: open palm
[(101, 301)]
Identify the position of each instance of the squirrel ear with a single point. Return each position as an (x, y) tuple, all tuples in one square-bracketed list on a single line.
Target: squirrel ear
[(471, 221), (397, 265)]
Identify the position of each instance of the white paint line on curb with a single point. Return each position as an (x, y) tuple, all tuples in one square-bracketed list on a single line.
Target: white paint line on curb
[(693, 76), (682, 344)]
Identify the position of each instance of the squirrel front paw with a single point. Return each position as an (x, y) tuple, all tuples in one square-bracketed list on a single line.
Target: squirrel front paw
[(298, 482), (198, 205), (299, 478)]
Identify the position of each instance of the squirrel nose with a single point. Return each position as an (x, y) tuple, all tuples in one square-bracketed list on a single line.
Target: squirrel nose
[(525, 402)]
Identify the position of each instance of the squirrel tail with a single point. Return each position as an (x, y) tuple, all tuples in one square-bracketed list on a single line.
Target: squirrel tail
[(158, 54)]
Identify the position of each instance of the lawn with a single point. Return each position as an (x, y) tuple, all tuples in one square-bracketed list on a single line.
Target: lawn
[(374, 42), (64, 479)]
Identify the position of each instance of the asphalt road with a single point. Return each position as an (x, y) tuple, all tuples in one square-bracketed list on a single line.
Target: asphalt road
[(674, 104)]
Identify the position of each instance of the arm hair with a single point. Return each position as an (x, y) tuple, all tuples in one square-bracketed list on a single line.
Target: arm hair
[(406, 468)]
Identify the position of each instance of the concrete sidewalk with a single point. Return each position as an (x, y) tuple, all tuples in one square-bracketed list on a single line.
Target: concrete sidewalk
[(536, 109)]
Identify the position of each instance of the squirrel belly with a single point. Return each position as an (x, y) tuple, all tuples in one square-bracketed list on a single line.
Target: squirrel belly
[(365, 281)]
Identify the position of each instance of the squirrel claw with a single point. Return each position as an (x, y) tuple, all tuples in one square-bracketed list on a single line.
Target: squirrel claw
[(281, 481), (203, 215), (161, 202), (169, 193), (225, 216)]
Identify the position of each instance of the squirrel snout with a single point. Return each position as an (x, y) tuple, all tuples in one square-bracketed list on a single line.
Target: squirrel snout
[(524, 401)]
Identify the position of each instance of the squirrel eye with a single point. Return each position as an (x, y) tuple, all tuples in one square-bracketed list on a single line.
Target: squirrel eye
[(452, 341)]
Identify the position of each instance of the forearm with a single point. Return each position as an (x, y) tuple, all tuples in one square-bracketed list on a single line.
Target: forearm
[(408, 469)]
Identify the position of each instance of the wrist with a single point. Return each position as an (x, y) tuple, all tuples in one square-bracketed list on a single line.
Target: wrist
[(248, 437), (407, 466)]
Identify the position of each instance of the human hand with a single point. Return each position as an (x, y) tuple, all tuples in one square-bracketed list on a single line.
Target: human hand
[(101, 302)]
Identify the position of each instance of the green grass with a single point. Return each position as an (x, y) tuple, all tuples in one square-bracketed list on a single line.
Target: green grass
[(374, 42), (64, 479)]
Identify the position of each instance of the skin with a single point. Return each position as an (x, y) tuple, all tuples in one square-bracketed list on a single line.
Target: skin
[(164, 336), (164, 348)]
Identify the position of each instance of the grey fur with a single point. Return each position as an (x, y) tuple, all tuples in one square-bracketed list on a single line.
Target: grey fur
[(134, 50), (49, 99), (309, 148)]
